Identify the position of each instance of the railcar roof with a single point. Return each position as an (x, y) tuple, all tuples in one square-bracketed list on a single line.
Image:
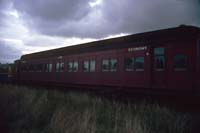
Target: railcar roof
[(119, 42)]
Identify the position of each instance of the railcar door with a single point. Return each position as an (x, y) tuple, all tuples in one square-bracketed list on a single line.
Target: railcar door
[(136, 70), (181, 68), (159, 68)]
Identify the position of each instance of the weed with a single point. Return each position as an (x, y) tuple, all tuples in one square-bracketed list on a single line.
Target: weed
[(26, 109)]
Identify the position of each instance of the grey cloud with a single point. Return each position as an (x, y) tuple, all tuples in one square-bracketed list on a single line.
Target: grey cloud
[(8, 53), (47, 16), (141, 15), (74, 18), (4, 4), (53, 10)]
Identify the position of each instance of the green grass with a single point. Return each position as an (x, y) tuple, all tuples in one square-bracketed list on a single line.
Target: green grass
[(32, 110)]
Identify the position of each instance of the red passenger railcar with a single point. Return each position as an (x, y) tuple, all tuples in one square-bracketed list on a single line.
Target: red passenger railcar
[(163, 60)]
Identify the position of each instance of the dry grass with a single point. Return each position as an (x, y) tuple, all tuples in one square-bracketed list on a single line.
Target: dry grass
[(26, 109)]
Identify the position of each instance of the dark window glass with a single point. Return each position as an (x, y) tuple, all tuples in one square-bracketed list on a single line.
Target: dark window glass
[(58, 67), (70, 66), (113, 64), (159, 58), (34, 68), (180, 62), (23, 68), (159, 51), (105, 65), (92, 65), (40, 67), (159, 62), (89, 66), (31, 68), (46, 67), (62, 66), (129, 63), (109, 65), (50, 67), (75, 66), (86, 66), (139, 63)]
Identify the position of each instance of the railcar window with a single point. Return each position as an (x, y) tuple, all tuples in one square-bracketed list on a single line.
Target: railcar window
[(113, 64), (36, 68), (139, 63), (159, 51), (46, 67), (75, 66), (129, 63), (92, 65), (89, 66), (40, 67), (50, 67), (180, 62), (57, 67), (62, 66), (43, 67), (27, 68), (23, 68), (159, 59), (105, 65), (70, 66), (86, 66), (109, 65), (31, 68)]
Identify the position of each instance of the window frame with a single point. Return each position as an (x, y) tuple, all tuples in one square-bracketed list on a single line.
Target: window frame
[(132, 64), (109, 65), (60, 66), (135, 64), (186, 63), (46, 67), (49, 67), (94, 66), (72, 66), (89, 65), (86, 63), (77, 66), (159, 55)]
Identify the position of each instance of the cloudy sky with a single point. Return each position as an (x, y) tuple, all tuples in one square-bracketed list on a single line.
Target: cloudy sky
[(28, 26)]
